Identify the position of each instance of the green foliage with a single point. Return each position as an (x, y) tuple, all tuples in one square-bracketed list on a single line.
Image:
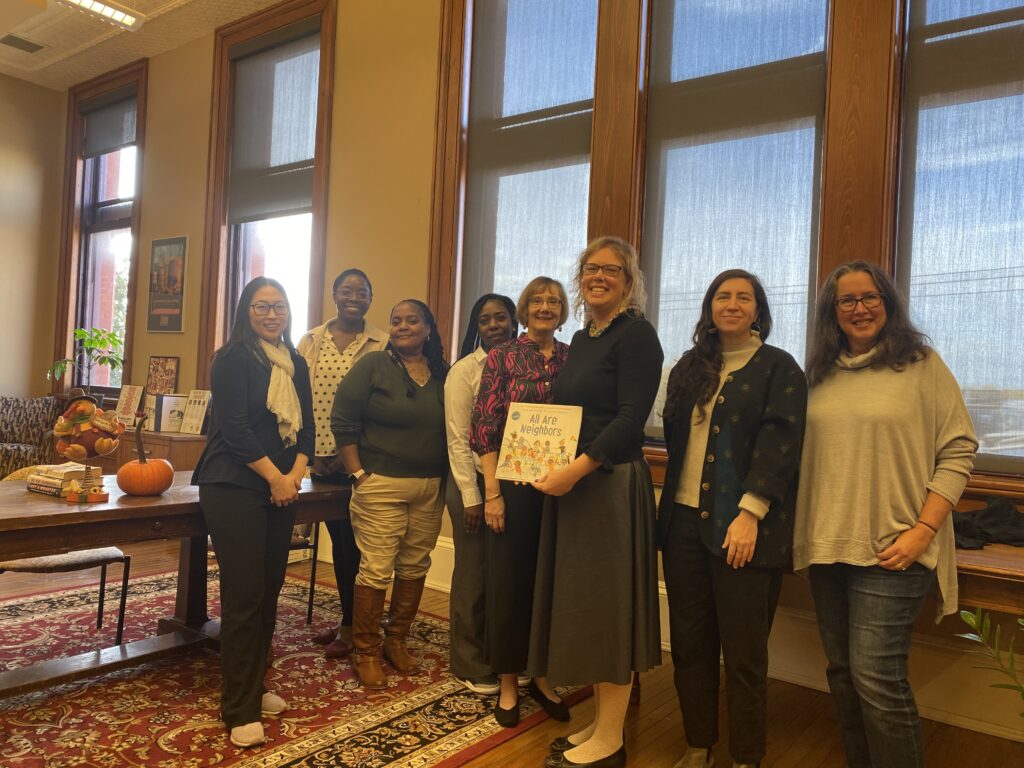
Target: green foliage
[(980, 622), (95, 346)]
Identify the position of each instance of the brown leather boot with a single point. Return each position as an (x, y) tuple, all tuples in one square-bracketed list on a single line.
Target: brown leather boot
[(405, 601), (367, 610)]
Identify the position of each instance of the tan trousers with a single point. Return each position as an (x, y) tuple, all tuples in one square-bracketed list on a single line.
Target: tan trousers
[(396, 521)]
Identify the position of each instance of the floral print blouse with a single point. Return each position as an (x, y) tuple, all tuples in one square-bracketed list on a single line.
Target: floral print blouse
[(515, 372)]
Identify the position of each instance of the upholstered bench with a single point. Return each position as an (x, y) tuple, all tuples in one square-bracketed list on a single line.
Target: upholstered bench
[(26, 431)]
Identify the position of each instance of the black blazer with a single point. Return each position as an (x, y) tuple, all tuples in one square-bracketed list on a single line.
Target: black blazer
[(754, 442), (242, 429)]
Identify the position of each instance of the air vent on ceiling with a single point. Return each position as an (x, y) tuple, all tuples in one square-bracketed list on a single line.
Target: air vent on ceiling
[(20, 43)]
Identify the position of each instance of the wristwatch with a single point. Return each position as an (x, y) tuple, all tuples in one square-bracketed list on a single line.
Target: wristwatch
[(354, 476)]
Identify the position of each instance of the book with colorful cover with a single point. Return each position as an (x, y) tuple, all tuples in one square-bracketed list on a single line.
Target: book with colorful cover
[(129, 403), (538, 439)]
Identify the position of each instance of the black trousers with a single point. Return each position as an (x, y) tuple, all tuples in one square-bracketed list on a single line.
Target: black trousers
[(511, 571), (715, 609), (251, 538), (344, 553)]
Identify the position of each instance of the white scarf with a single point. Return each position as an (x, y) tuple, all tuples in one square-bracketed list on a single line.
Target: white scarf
[(282, 399)]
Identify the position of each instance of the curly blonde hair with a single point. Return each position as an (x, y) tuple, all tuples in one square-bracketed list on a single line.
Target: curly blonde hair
[(636, 293)]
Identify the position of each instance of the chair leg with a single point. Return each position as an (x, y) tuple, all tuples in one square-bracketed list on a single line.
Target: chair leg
[(126, 567), (103, 592), (312, 573)]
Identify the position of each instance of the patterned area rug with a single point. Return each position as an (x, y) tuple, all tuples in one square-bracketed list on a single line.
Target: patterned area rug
[(165, 714)]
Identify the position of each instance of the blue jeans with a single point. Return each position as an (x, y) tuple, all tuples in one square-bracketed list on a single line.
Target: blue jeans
[(865, 617)]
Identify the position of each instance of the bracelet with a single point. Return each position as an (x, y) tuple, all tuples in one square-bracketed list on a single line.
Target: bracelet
[(492, 498), (926, 525)]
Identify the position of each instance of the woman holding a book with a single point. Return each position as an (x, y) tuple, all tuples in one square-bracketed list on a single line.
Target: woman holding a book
[(734, 423), (330, 351), (388, 423), (522, 371), (261, 439), (492, 322), (595, 611)]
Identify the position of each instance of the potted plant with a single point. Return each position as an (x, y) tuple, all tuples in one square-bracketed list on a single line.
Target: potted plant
[(1007, 665), (93, 346)]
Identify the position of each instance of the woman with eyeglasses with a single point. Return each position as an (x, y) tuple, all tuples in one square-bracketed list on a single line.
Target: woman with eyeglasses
[(522, 371), (888, 450), (492, 322), (330, 351), (260, 441), (388, 424), (595, 610), (734, 422)]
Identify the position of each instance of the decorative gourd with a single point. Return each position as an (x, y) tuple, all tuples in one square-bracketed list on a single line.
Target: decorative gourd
[(142, 476)]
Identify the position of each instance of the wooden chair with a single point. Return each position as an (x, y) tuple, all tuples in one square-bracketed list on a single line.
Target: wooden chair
[(77, 561)]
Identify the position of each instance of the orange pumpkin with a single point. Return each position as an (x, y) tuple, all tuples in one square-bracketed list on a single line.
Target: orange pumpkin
[(142, 476)]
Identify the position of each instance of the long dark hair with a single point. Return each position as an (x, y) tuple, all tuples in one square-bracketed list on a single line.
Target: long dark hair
[(242, 333), (899, 342), (700, 367), (433, 349), (471, 340)]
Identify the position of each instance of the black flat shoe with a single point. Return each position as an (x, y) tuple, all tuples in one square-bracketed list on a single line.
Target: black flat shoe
[(560, 745), (616, 759), (556, 709), (507, 718)]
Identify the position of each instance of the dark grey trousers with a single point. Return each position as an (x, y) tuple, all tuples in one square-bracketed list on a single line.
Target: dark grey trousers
[(467, 595)]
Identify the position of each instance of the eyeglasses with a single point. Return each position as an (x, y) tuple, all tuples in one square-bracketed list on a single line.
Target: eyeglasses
[(869, 300), (262, 309), (610, 270), (348, 293), (540, 301)]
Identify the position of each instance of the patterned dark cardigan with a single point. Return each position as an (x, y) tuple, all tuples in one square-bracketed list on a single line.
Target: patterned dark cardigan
[(754, 441)]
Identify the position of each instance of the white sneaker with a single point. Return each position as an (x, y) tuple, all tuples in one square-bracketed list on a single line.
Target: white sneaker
[(696, 757), (484, 686), (248, 735), (272, 704), (523, 680)]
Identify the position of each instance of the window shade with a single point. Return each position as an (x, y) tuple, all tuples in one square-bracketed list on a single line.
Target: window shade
[(734, 132), (531, 102), (960, 248), (110, 126), (274, 131)]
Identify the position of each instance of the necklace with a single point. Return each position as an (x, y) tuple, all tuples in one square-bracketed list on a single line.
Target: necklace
[(595, 330)]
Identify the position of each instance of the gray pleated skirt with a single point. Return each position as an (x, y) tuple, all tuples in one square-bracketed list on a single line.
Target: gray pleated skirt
[(595, 604)]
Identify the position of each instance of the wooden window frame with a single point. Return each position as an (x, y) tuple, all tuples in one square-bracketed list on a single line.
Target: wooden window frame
[(214, 291), (860, 151), (69, 268)]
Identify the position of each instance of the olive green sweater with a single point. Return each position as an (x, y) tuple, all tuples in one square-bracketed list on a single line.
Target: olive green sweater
[(398, 425)]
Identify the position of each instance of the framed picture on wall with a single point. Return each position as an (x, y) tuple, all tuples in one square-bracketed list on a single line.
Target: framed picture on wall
[(163, 375), (167, 285)]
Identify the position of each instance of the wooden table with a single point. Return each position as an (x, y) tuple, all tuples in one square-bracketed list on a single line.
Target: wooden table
[(32, 524)]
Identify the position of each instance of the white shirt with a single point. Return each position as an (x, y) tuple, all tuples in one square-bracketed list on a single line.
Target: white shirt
[(460, 390)]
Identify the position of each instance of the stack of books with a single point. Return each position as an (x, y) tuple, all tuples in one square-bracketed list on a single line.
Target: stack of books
[(57, 480)]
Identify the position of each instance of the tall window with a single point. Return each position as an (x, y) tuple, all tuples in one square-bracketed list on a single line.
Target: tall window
[(961, 218), (99, 238), (265, 214), (531, 103), (270, 197), (736, 106), (108, 199)]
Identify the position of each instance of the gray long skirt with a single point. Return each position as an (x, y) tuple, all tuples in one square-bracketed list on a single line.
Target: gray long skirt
[(595, 603)]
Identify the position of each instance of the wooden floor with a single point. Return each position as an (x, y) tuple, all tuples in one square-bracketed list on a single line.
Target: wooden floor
[(802, 724)]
